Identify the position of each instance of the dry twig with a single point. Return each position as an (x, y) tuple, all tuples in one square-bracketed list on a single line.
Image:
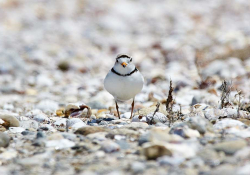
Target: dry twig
[(170, 102), (239, 102), (225, 94)]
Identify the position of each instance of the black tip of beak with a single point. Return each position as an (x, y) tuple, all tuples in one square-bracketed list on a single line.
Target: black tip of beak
[(124, 66)]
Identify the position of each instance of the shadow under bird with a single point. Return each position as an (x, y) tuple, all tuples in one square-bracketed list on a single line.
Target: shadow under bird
[(124, 81)]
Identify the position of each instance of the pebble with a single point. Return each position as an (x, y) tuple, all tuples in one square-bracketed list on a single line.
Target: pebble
[(230, 147), (136, 125), (185, 132), (60, 144), (138, 167), (153, 151), (198, 123), (126, 115), (10, 119), (110, 146), (226, 123), (157, 118), (64, 49), (89, 130), (47, 106), (29, 124), (4, 140), (172, 161), (16, 129)]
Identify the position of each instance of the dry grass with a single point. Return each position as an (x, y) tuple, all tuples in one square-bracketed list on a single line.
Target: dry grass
[(225, 94)]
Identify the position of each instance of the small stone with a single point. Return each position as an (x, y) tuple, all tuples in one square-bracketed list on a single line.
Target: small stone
[(103, 123), (60, 144), (110, 146), (245, 121), (16, 129), (123, 144), (153, 151), (151, 109), (38, 116), (98, 136), (173, 161), (96, 105), (27, 133), (63, 65), (223, 170), (211, 157), (244, 169), (27, 124), (199, 123), (89, 130), (4, 140), (75, 123), (136, 125), (40, 135), (230, 147), (138, 167), (10, 120), (55, 136), (47, 106), (126, 115), (139, 118), (185, 132), (157, 118), (227, 123), (60, 112)]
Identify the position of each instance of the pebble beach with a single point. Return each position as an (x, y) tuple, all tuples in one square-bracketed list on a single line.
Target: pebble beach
[(192, 116)]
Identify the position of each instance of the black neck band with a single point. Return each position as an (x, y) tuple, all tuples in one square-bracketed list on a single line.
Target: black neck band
[(124, 75)]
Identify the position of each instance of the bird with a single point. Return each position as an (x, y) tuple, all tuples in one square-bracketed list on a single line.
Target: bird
[(124, 81)]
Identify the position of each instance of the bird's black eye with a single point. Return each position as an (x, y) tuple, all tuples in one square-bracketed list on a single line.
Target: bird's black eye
[(130, 59), (117, 61)]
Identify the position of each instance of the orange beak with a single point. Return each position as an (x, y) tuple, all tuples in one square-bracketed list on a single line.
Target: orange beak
[(124, 64)]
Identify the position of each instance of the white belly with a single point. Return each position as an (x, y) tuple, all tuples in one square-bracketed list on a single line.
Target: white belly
[(123, 88)]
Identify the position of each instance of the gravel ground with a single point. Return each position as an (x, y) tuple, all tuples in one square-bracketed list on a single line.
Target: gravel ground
[(56, 117)]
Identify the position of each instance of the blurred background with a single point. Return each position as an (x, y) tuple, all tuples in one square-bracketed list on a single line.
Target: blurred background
[(62, 50)]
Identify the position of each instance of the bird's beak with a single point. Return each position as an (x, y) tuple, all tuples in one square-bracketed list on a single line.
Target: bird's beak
[(124, 64)]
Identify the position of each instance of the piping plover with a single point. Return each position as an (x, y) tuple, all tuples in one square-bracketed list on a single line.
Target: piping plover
[(123, 81)]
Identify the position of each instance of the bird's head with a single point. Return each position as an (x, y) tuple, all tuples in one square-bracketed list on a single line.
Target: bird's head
[(123, 60), (123, 64)]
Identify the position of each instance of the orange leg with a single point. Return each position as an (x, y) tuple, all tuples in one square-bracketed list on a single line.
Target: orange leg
[(133, 104), (117, 108)]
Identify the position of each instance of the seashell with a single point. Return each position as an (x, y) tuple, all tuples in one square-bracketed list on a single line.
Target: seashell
[(77, 110)]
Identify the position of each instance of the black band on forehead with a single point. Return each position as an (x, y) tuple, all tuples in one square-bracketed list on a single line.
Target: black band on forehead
[(122, 56)]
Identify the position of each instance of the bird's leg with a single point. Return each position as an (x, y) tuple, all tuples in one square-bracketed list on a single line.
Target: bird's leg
[(117, 108), (133, 104)]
